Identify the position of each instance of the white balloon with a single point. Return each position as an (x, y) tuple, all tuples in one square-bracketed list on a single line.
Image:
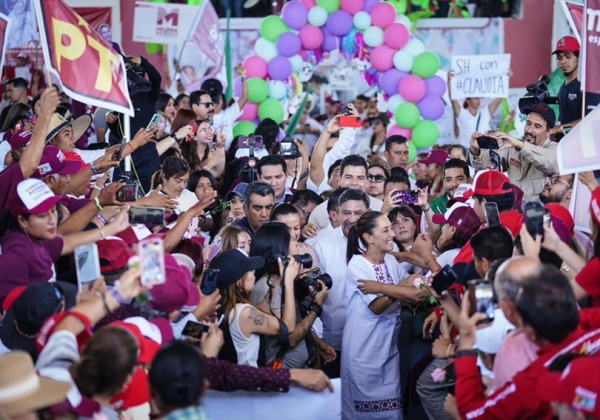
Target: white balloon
[(394, 102), (265, 49), (373, 36), (414, 47), (403, 61), (277, 89), (404, 20), (296, 61), (362, 20), (317, 16)]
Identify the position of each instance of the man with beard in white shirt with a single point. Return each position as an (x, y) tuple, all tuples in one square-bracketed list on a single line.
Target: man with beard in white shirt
[(331, 253)]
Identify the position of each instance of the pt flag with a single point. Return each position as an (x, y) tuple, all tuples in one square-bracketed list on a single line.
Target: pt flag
[(89, 69), (4, 31)]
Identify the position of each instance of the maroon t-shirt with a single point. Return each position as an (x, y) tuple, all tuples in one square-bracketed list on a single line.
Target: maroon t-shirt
[(74, 204), (25, 261), (9, 179)]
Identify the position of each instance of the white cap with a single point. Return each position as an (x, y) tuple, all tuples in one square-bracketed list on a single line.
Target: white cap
[(489, 339)]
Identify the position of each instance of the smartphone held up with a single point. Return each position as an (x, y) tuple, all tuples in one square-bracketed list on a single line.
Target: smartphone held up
[(152, 261)]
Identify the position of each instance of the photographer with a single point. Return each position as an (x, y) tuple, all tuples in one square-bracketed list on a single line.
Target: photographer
[(146, 160), (527, 162), (569, 94)]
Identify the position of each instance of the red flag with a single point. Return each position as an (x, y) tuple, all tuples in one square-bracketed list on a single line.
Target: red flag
[(4, 23), (89, 69)]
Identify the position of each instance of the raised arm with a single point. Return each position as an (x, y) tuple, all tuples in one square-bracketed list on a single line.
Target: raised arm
[(455, 103)]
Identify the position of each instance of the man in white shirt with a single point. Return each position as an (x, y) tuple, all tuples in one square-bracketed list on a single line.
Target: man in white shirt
[(331, 253), (332, 211), (354, 172)]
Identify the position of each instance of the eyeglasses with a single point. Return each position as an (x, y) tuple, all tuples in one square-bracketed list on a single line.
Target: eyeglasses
[(377, 178), (207, 131), (556, 178), (376, 122), (207, 104), (304, 212)]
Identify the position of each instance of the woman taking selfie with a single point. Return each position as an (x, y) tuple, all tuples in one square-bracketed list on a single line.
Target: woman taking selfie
[(245, 323), (370, 362), (205, 148)]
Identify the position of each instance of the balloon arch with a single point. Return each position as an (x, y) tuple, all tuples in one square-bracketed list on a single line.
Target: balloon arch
[(369, 32)]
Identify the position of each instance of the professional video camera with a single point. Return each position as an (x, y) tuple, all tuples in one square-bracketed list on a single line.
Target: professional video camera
[(136, 82), (305, 260), (250, 174), (303, 284), (537, 93)]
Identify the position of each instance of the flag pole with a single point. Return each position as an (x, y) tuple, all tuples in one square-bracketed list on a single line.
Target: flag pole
[(228, 64), (291, 128)]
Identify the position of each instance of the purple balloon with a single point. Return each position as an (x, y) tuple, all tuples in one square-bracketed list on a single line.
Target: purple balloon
[(288, 44), (340, 23), (280, 68), (369, 4), (237, 87), (330, 42), (295, 15), (435, 86), (431, 107), (390, 80)]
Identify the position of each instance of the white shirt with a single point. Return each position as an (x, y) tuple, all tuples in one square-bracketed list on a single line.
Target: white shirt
[(467, 124), (227, 118), (320, 234), (331, 252), (246, 348), (4, 149), (320, 217)]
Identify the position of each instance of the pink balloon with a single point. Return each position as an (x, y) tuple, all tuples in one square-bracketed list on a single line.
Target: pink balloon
[(383, 15), (396, 130), (412, 88), (396, 36), (352, 6), (311, 37), (309, 3), (382, 58), (255, 67), (249, 112), (237, 87)]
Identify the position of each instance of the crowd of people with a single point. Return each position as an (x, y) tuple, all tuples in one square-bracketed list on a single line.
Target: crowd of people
[(384, 263)]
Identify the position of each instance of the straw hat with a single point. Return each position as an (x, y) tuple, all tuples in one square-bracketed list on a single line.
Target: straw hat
[(58, 123), (22, 390)]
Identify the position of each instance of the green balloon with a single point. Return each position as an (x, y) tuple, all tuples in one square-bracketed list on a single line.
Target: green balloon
[(271, 27), (329, 5), (400, 6), (258, 90), (425, 134), (426, 65), (244, 128), (407, 115), (412, 152), (271, 108)]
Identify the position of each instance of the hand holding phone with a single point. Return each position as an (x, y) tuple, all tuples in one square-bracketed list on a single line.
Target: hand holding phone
[(149, 216), (534, 219), (406, 197), (154, 121), (87, 265), (481, 299), (487, 142), (209, 281), (194, 330), (443, 279), (347, 121), (152, 261), (492, 215), (127, 193)]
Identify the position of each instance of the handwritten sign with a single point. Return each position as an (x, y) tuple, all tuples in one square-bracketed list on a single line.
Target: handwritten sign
[(480, 76)]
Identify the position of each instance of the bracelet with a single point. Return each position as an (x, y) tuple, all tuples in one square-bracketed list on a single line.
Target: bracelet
[(243, 79), (465, 353), (315, 307), (97, 187), (174, 137), (94, 170), (97, 201), (102, 235), (119, 298), (428, 208), (108, 311), (102, 219), (448, 350)]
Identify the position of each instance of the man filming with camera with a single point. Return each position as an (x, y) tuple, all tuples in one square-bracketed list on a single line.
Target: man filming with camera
[(528, 162)]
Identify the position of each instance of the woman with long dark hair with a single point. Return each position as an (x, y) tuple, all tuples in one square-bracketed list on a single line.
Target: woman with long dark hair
[(371, 363), (204, 150), (166, 106), (202, 183), (172, 179), (406, 230)]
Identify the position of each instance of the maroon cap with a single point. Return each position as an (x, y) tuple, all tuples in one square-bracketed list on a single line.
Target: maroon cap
[(490, 182), (20, 139), (54, 162), (32, 196), (114, 254), (439, 156), (460, 216), (567, 44), (178, 291)]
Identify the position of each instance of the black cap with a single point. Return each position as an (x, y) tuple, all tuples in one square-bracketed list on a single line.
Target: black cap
[(545, 111), (213, 87), (233, 265), (27, 314)]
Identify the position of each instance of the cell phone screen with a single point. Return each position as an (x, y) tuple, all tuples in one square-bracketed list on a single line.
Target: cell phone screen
[(87, 264), (194, 330), (209, 281), (146, 216), (491, 214), (534, 218), (127, 193), (481, 294), (487, 142), (152, 259), (154, 121)]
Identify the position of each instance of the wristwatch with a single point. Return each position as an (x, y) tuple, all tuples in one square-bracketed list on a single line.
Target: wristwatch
[(465, 353)]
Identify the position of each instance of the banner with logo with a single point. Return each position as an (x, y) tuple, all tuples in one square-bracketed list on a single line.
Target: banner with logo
[(163, 23), (591, 54), (480, 76), (89, 70), (4, 31), (574, 14)]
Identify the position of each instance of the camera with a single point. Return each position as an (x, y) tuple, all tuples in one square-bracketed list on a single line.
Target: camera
[(303, 284), (537, 93), (305, 260), (288, 149), (136, 82)]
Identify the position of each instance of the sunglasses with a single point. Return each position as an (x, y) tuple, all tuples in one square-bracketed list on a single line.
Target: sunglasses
[(377, 178), (207, 104)]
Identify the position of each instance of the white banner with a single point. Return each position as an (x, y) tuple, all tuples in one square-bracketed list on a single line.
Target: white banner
[(163, 23), (297, 404), (580, 206), (480, 76)]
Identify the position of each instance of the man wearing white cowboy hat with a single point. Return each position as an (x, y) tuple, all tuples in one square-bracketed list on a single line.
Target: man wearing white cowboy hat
[(23, 391)]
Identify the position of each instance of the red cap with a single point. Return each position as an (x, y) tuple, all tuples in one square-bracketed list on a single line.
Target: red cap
[(439, 156), (491, 183), (578, 386), (11, 297), (20, 138), (54, 162), (136, 393), (562, 213), (147, 347), (460, 216), (595, 206), (178, 291), (114, 254), (32, 196), (51, 323), (567, 44)]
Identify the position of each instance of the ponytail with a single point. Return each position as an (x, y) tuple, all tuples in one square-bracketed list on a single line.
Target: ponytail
[(353, 247), (156, 180)]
